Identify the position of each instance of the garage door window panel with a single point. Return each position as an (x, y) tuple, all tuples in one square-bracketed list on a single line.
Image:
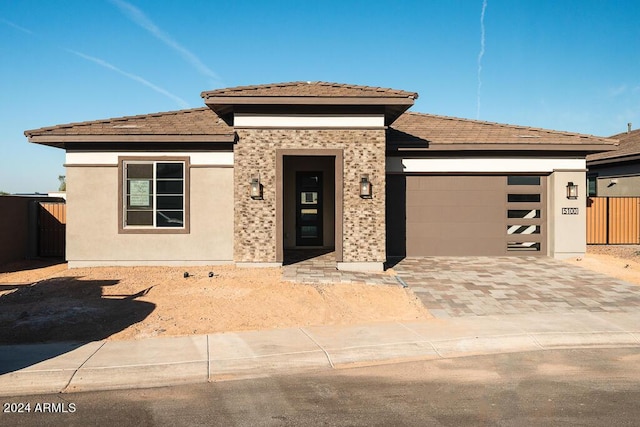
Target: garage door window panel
[(525, 196)]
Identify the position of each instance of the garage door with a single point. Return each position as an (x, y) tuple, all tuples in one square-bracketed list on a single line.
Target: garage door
[(467, 215)]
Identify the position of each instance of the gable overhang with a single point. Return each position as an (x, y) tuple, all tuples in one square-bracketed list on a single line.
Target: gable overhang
[(226, 106)]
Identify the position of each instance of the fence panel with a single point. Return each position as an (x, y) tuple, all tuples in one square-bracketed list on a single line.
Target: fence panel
[(623, 220), (597, 220), (613, 220), (52, 220)]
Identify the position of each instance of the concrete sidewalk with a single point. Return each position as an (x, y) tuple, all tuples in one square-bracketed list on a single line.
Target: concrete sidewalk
[(69, 367)]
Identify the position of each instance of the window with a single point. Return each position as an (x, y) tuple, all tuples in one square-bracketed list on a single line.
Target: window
[(154, 195), (592, 185), (523, 180), (523, 198)]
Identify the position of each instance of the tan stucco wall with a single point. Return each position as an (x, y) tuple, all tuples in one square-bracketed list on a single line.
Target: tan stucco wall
[(619, 186), (92, 222), (363, 220), (567, 233)]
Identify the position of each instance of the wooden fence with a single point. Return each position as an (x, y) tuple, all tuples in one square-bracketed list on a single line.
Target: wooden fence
[(613, 220), (52, 221)]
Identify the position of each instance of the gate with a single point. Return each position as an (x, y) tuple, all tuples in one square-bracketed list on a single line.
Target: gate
[(52, 220), (613, 220)]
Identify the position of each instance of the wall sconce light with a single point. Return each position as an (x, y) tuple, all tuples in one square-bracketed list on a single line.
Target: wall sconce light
[(572, 191), (365, 187), (255, 188)]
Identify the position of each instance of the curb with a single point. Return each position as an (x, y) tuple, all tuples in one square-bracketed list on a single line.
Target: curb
[(107, 365)]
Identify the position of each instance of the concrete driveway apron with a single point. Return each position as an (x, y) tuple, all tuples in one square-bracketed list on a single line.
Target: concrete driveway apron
[(478, 286)]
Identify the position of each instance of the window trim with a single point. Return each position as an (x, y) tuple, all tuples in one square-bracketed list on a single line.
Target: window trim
[(186, 229)]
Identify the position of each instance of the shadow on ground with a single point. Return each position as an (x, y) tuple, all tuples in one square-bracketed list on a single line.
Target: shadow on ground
[(292, 256), (67, 311), (32, 264)]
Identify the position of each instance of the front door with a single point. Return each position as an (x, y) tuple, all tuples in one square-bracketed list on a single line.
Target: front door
[(309, 209)]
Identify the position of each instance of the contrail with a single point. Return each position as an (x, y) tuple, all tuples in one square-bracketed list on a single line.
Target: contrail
[(480, 55), (105, 64), (17, 27), (181, 102), (142, 20)]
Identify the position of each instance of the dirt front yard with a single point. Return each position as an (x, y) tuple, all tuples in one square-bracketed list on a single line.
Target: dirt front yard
[(619, 261), (53, 303)]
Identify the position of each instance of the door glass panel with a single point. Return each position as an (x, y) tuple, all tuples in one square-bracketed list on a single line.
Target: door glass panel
[(308, 231), (308, 214), (523, 213), (523, 229), (523, 198), (523, 180), (309, 197), (523, 246), (309, 209)]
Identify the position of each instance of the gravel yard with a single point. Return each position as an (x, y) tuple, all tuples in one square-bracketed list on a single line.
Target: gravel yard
[(619, 261), (53, 303), (40, 302)]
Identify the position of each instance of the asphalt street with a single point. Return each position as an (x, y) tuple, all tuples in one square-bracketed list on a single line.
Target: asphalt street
[(586, 387)]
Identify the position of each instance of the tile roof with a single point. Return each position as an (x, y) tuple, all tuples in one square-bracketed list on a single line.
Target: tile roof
[(415, 127), (310, 89), (629, 146), (410, 130), (198, 121)]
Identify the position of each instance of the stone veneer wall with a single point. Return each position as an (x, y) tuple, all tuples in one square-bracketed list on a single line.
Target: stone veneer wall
[(363, 219)]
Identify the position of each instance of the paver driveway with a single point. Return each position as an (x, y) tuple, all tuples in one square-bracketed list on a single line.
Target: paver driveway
[(476, 286)]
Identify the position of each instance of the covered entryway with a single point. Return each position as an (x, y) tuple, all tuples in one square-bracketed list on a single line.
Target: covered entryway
[(466, 215), (309, 220)]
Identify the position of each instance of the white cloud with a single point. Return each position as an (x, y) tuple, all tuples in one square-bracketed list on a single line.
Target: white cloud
[(142, 20), (105, 64)]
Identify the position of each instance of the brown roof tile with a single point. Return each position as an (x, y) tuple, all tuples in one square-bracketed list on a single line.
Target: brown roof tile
[(410, 130), (432, 129), (310, 89), (198, 121), (629, 146)]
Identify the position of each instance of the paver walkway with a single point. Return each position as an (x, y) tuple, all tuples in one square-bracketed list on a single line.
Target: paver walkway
[(477, 286), (322, 269)]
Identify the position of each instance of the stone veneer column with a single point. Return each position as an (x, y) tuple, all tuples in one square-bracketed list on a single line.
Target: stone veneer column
[(363, 219)]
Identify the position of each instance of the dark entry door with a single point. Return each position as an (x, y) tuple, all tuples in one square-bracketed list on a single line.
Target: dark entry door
[(309, 209)]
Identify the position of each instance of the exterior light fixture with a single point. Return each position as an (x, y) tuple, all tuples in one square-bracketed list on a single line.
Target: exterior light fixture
[(572, 191), (255, 188), (365, 187)]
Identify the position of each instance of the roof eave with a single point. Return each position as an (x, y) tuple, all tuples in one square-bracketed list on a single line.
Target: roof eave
[(431, 147), (225, 106), (60, 141), (613, 160)]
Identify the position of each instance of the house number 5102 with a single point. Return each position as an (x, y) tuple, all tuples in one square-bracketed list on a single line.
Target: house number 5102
[(569, 211)]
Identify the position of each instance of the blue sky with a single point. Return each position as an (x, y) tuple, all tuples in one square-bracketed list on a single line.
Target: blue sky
[(565, 65)]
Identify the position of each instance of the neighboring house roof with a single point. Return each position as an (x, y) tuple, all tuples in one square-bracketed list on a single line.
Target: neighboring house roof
[(308, 94), (629, 149), (409, 132), (417, 131), (195, 125)]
